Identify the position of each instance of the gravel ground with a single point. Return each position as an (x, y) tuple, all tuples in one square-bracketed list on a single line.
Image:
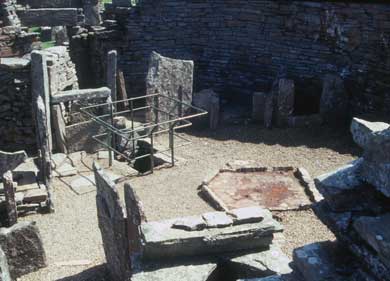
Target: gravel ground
[(71, 234)]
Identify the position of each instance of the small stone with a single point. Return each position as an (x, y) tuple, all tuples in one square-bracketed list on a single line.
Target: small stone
[(249, 215), (217, 219), (190, 223)]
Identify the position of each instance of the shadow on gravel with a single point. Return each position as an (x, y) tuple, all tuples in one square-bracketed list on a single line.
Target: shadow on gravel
[(339, 140), (97, 273)]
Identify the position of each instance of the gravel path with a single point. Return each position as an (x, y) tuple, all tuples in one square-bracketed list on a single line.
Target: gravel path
[(71, 234)]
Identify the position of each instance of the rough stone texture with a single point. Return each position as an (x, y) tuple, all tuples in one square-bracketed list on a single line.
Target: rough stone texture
[(85, 94), (190, 223), (376, 164), (4, 270), (190, 272), (172, 78), (375, 231), (363, 131), (209, 101), (111, 217), (240, 48), (327, 261), (10, 160), (9, 192), (249, 215), (162, 240), (23, 248), (285, 101)]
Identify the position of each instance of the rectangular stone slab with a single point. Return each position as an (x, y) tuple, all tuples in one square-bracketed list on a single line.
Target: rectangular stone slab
[(162, 241), (85, 94)]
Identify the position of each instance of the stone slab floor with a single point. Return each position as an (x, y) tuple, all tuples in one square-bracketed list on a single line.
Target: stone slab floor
[(71, 235)]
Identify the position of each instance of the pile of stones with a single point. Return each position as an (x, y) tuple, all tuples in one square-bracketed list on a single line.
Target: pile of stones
[(356, 206)]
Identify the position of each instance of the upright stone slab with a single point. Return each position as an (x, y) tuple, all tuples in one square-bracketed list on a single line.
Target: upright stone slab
[(10, 160), (135, 216), (376, 164), (112, 224), (258, 106), (172, 78), (92, 12), (23, 248), (334, 100), (285, 106), (4, 270), (209, 101), (10, 201), (41, 107)]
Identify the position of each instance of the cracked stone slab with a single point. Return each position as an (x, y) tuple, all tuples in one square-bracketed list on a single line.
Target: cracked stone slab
[(162, 240), (65, 170), (217, 219), (191, 272)]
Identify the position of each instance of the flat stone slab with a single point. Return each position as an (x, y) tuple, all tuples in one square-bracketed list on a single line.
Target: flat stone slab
[(191, 272), (10, 160), (217, 219), (262, 263), (190, 223), (248, 215), (376, 232), (163, 240), (86, 183), (270, 188), (14, 63)]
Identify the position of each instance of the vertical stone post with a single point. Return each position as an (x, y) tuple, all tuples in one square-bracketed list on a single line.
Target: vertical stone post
[(92, 12), (111, 83), (41, 109), (10, 202)]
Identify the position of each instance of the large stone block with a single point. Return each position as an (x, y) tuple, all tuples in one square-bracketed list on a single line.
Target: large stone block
[(376, 165), (209, 101), (112, 224), (363, 131), (23, 248), (286, 96), (172, 78)]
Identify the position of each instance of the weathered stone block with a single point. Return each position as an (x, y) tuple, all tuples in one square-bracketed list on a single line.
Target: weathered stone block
[(363, 131), (172, 78), (10, 160), (209, 101), (111, 218), (23, 248)]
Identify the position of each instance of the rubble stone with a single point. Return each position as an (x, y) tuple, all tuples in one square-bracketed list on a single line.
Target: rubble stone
[(249, 215)]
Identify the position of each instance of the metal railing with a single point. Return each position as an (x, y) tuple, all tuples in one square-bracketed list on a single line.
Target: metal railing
[(162, 114)]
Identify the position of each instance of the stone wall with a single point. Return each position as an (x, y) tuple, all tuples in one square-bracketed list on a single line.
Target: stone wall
[(240, 46), (16, 115)]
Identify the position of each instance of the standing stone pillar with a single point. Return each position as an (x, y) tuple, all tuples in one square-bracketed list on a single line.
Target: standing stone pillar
[(112, 73), (92, 12), (41, 109), (10, 202), (286, 97)]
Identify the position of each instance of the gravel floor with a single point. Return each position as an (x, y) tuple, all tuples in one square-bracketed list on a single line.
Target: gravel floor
[(71, 234)]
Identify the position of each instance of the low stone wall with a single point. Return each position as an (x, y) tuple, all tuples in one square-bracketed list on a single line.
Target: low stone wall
[(239, 48)]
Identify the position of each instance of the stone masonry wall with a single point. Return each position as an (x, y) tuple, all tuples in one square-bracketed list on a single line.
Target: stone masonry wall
[(16, 116), (240, 46)]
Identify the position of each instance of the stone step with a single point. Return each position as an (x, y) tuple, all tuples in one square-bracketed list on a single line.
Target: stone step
[(163, 240)]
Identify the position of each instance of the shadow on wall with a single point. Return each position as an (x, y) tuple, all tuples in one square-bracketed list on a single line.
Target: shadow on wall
[(317, 137)]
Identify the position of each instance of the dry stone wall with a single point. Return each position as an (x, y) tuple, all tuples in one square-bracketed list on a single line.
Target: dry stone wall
[(239, 47)]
